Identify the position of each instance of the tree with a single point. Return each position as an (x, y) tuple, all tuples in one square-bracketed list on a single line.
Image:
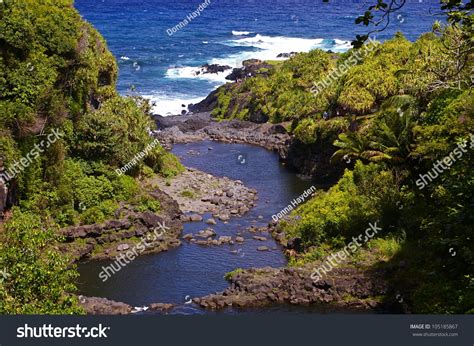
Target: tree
[(378, 16)]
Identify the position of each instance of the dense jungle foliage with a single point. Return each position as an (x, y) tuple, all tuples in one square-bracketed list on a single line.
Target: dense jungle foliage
[(391, 112), (57, 75)]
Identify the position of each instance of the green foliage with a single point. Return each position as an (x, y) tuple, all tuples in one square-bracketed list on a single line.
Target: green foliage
[(389, 136), (187, 194), (39, 280), (228, 276), (56, 72), (164, 162), (284, 95), (310, 131), (362, 196), (147, 203)]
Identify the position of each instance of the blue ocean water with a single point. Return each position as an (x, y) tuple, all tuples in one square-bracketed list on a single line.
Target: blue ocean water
[(163, 67)]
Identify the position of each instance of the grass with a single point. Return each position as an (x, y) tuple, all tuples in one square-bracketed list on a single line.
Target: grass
[(229, 275), (187, 194)]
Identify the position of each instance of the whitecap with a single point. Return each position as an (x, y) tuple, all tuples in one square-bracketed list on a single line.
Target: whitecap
[(240, 33), (165, 104), (124, 57), (196, 72)]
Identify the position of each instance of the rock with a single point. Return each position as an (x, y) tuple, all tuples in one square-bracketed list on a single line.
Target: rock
[(224, 217), (286, 55), (207, 233), (263, 248), (161, 306), (211, 221), (251, 67), (103, 306), (256, 237), (150, 219), (188, 236), (239, 239), (123, 247), (295, 244), (225, 239), (229, 194), (213, 68), (206, 105), (195, 218)]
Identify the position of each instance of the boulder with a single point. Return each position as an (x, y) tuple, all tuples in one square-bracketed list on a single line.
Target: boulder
[(225, 239), (256, 237), (286, 55), (150, 219), (207, 233), (195, 218), (188, 236), (123, 247), (212, 68), (211, 221), (224, 217)]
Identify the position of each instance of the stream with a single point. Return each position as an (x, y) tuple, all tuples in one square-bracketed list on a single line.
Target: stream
[(191, 270)]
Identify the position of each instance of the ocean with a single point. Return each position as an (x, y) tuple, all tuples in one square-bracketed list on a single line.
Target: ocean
[(160, 45)]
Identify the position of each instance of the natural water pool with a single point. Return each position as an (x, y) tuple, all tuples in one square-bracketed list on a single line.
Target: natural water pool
[(193, 270)]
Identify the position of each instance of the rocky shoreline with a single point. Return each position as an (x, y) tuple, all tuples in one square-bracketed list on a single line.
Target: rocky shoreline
[(201, 126), (104, 306), (345, 287), (107, 240)]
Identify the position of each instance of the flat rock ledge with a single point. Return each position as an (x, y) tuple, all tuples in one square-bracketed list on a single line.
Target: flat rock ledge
[(198, 193), (347, 288), (104, 306), (201, 126)]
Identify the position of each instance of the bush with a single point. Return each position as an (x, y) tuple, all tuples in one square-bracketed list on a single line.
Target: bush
[(40, 279), (348, 207)]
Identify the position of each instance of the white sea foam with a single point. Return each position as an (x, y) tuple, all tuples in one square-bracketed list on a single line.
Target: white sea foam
[(240, 33), (171, 104), (266, 48), (124, 58), (196, 72)]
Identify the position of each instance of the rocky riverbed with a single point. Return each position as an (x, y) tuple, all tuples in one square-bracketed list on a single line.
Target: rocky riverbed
[(198, 193)]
